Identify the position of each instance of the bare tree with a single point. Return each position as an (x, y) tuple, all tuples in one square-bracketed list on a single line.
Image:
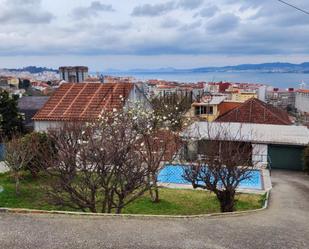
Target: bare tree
[(72, 178), (18, 154), (157, 148), (170, 111), (128, 173), (96, 166), (225, 162)]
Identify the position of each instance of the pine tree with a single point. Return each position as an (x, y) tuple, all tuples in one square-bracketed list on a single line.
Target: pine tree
[(10, 119)]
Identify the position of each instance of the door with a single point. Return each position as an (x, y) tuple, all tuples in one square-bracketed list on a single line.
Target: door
[(286, 157)]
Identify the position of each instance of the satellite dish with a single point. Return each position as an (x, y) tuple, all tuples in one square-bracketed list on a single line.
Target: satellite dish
[(207, 97)]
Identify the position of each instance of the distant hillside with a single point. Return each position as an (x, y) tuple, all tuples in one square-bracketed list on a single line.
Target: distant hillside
[(33, 69), (276, 67)]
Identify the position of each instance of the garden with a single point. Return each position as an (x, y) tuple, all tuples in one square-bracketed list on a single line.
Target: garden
[(33, 195), (112, 165)]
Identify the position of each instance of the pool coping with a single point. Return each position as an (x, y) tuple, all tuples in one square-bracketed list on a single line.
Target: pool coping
[(141, 216)]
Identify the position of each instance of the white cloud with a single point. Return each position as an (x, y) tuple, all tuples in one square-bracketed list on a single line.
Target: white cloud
[(156, 28), (23, 12), (95, 8)]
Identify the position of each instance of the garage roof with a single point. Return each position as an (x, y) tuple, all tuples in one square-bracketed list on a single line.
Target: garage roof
[(255, 133)]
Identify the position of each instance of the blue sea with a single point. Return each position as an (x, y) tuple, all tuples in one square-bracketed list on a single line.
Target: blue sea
[(280, 80)]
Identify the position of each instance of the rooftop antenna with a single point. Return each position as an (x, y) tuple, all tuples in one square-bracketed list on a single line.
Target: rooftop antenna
[(302, 85)]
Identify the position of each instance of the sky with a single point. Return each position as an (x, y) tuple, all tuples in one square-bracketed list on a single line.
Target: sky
[(130, 34)]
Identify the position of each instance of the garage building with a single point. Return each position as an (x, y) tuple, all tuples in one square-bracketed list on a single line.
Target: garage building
[(275, 146)]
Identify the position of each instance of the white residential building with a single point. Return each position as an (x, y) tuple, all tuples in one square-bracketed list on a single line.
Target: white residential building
[(302, 101)]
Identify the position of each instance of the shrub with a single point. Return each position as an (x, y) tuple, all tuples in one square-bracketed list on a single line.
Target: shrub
[(43, 147)]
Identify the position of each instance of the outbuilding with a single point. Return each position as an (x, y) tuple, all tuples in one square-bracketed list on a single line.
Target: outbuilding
[(275, 146)]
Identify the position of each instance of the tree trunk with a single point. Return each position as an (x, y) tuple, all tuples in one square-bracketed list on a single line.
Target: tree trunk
[(93, 209), (16, 184), (118, 210), (104, 204), (93, 203), (227, 200), (109, 209), (154, 194), (154, 191), (119, 207)]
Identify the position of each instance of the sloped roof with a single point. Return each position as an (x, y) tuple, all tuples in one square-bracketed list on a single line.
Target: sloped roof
[(32, 102), (83, 101), (256, 111), (29, 105), (303, 91), (225, 107)]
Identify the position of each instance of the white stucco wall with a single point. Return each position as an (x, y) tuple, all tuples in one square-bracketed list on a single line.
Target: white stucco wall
[(302, 102), (260, 155), (44, 126), (136, 95)]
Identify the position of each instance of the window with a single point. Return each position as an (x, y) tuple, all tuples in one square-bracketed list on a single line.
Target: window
[(203, 110), (210, 110)]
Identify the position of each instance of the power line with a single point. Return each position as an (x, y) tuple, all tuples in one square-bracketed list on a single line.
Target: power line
[(293, 6)]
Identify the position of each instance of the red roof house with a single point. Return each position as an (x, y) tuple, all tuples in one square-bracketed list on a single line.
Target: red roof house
[(84, 102), (256, 111)]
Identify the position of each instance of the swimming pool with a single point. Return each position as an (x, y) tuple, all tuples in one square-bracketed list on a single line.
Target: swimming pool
[(173, 174)]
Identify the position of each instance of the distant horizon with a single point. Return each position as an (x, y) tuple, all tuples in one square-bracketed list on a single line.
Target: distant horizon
[(276, 79), (153, 68)]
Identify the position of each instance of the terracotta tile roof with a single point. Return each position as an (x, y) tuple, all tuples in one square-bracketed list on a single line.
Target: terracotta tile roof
[(256, 111), (303, 91), (166, 87), (83, 101), (225, 107)]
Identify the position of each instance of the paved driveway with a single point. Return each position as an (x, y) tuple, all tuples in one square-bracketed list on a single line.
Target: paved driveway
[(284, 225)]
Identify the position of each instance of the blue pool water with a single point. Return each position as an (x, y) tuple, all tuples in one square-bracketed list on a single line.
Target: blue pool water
[(173, 174)]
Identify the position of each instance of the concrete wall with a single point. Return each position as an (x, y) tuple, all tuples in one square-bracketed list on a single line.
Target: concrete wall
[(302, 102), (262, 93), (260, 155), (259, 152), (136, 95), (191, 151)]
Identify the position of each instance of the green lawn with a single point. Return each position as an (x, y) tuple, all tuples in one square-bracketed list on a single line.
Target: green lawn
[(173, 202)]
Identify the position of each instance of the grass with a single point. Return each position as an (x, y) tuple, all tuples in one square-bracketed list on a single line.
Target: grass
[(173, 201)]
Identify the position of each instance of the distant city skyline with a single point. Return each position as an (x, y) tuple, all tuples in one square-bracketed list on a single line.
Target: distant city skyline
[(104, 34)]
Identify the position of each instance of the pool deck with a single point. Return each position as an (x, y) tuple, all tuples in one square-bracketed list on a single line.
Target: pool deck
[(266, 185)]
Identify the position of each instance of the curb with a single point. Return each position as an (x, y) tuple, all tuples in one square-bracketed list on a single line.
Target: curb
[(233, 214)]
